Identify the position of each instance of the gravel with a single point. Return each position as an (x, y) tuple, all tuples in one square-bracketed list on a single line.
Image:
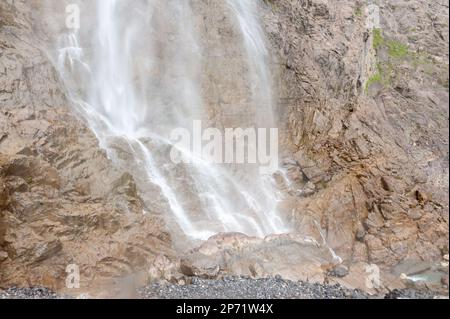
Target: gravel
[(413, 294), (28, 293), (245, 288), (236, 288)]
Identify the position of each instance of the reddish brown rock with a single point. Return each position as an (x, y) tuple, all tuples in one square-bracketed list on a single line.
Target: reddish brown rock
[(368, 161), (62, 201), (383, 147)]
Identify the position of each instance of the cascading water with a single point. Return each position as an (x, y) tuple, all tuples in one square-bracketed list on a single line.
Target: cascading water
[(136, 70)]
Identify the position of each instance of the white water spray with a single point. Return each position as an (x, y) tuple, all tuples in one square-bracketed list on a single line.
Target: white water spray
[(134, 71)]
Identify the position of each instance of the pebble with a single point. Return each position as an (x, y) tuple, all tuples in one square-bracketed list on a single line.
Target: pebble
[(246, 288), (411, 294), (29, 293), (236, 288)]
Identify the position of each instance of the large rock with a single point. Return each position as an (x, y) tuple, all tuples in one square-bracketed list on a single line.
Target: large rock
[(289, 256)]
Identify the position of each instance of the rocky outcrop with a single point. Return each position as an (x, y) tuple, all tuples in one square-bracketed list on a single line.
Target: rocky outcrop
[(62, 202), (367, 125), (289, 256), (365, 146)]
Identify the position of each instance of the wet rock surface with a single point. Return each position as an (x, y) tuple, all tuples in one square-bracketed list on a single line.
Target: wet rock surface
[(238, 254), (365, 151), (62, 202), (304, 260), (413, 294)]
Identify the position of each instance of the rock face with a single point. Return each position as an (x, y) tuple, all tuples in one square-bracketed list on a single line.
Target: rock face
[(365, 147), (366, 109), (62, 202)]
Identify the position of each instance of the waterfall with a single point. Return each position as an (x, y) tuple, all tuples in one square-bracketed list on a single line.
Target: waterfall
[(255, 45), (136, 70)]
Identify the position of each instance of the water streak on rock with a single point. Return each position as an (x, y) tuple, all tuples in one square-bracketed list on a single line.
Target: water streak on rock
[(136, 71)]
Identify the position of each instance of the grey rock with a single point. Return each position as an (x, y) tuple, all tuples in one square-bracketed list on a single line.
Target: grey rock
[(340, 271)]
